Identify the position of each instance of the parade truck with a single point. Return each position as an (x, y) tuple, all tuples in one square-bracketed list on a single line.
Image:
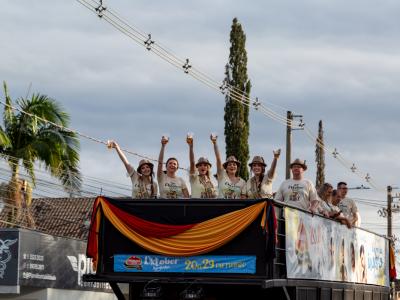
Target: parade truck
[(232, 249)]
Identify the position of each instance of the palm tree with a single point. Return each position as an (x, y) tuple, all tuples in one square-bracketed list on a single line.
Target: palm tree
[(26, 139)]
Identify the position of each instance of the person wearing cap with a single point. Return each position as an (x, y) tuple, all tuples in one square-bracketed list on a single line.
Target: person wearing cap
[(143, 185), (260, 185), (298, 192), (200, 182), (230, 185), (171, 186), (348, 205)]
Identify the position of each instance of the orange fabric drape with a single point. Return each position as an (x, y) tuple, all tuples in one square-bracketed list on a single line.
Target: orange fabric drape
[(202, 238), (199, 239)]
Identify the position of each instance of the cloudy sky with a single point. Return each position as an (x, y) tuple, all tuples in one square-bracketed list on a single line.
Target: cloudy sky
[(336, 61)]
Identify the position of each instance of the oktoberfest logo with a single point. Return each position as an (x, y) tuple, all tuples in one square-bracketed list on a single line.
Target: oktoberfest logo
[(133, 262)]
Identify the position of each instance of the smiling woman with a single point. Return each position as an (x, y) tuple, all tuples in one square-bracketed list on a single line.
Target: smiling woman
[(143, 186), (200, 182), (171, 186)]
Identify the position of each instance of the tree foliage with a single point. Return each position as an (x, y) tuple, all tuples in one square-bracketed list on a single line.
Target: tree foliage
[(320, 156), (25, 139), (237, 114)]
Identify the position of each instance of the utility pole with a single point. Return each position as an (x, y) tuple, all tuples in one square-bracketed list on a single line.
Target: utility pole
[(389, 212), (289, 129), (289, 117)]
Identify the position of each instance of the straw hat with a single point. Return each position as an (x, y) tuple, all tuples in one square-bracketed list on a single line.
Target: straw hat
[(258, 160), (299, 162), (203, 160), (144, 162), (231, 159)]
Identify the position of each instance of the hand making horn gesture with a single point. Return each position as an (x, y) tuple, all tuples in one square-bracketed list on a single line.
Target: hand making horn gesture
[(277, 153)]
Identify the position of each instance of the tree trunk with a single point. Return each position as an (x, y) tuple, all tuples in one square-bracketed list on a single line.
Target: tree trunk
[(19, 212), (14, 199)]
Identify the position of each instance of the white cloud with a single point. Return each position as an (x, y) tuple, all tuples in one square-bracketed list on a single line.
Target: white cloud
[(327, 60)]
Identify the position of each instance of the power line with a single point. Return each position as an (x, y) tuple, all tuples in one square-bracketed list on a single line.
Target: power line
[(145, 40)]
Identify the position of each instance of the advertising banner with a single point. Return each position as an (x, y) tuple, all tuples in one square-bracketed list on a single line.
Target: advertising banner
[(49, 261), (194, 264), (318, 248), (29, 258), (9, 241)]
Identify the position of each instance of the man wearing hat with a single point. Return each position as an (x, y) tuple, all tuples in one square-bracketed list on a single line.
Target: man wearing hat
[(143, 185), (200, 182), (260, 185), (298, 191)]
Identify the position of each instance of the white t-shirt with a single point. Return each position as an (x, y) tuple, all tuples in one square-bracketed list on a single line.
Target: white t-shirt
[(349, 209), (199, 190), (228, 189), (327, 207), (265, 188), (171, 188), (298, 193), (138, 191)]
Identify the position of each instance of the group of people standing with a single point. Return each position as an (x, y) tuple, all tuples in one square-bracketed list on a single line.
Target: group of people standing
[(300, 192), (297, 191), (171, 186)]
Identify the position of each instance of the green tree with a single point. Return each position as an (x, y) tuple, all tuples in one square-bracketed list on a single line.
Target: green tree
[(26, 139), (320, 156), (237, 114)]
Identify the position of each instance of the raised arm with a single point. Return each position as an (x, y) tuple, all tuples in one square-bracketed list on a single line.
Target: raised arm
[(189, 141), (217, 154), (122, 156), (271, 172), (164, 142)]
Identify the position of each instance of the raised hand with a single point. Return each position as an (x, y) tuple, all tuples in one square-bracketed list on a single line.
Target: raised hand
[(111, 144), (164, 140), (213, 137), (189, 138), (277, 153)]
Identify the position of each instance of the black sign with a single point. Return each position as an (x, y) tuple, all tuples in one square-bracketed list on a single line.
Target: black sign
[(9, 241), (45, 261)]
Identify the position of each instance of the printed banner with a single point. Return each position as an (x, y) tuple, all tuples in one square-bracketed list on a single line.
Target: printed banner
[(29, 258), (317, 248), (193, 264), (397, 258)]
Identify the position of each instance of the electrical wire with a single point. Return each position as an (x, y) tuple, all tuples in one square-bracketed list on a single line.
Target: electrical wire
[(234, 93)]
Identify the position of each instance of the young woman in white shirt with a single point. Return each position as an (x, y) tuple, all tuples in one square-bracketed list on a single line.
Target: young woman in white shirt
[(200, 181), (260, 185), (171, 186), (143, 185), (230, 185)]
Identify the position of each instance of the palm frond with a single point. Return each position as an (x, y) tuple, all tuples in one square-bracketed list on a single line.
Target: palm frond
[(4, 139), (33, 140), (8, 115)]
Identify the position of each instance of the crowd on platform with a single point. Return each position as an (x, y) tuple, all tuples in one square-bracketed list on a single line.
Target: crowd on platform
[(297, 191)]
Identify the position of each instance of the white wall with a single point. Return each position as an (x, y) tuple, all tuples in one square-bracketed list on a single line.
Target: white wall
[(58, 294)]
